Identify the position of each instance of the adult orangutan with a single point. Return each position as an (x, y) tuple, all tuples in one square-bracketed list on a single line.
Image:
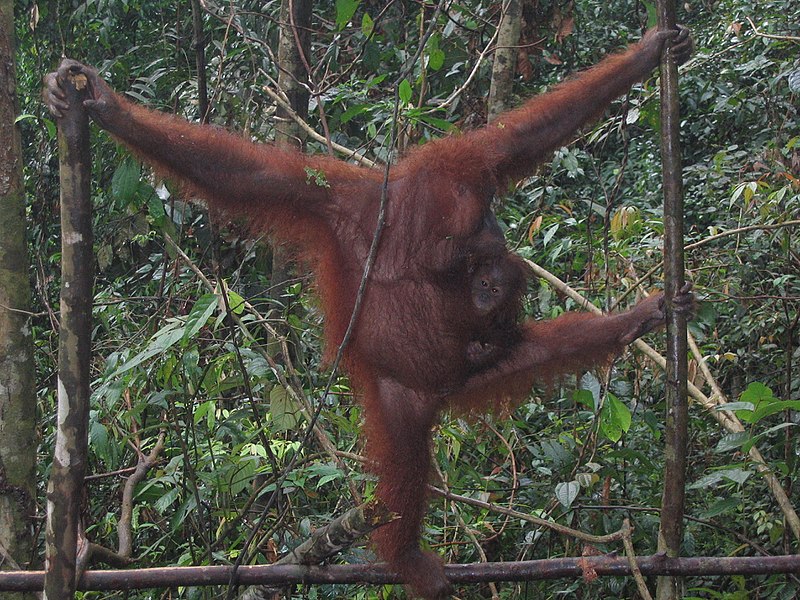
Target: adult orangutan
[(408, 358)]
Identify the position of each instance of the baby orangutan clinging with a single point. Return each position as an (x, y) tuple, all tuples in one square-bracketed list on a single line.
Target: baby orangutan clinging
[(497, 288)]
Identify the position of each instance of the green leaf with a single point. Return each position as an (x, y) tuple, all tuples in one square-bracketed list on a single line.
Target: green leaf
[(353, 111), (405, 92), (199, 315), (557, 455), (762, 402), (584, 397), (754, 440), (243, 477), (770, 408), (633, 456), (164, 502), (442, 124), (211, 415), (652, 15), (162, 340), (155, 208), (653, 423), (98, 435), (549, 233), (436, 59), (721, 507), (615, 418), (707, 481), (375, 81), (756, 392), (327, 479), (732, 441), (632, 116), (736, 406), (285, 416), (236, 302), (158, 398), (567, 492), (125, 181), (255, 450), (591, 383), (587, 480), (794, 81), (201, 411), (345, 9), (367, 25), (435, 53), (52, 130), (326, 474), (737, 475)]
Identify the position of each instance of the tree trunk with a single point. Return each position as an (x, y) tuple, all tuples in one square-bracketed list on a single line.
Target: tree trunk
[(17, 387), (293, 49), (65, 488), (505, 58), (199, 41)]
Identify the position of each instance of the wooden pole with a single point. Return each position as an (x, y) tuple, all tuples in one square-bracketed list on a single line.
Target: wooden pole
[(672, 503), (607, 565), (65, 488)]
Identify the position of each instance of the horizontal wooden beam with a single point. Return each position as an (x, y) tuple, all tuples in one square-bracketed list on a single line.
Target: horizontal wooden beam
[(376, 574)]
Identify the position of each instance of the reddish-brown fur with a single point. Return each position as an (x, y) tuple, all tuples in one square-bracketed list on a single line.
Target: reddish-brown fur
[(408, 356), (497, 287)]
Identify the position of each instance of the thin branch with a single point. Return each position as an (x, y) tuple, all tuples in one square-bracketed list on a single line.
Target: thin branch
[(144, 464), (739, 230), (785, 38), (557, 527), (312, 133), (627, 540)]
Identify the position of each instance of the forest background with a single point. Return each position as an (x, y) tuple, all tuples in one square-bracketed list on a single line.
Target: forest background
[(172, 373)]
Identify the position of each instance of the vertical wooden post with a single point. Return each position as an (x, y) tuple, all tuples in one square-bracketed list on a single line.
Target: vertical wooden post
[(65, 488), (672, 504)]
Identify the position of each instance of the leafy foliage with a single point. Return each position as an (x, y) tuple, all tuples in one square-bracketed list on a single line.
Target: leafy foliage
[(197, 363)]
